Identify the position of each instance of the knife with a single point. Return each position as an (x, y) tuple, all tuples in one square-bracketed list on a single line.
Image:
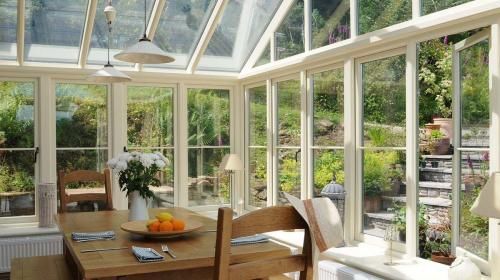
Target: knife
[(102, 249)]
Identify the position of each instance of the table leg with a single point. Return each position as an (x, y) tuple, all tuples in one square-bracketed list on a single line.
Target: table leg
[(73, 269)]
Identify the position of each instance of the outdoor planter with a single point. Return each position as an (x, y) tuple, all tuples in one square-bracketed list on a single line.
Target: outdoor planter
[(446, 126), (442, 258), (372, 204), (440, 146)]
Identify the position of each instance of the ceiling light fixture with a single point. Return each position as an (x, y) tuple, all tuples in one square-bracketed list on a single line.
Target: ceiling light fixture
[(144, 52), (108, 74)]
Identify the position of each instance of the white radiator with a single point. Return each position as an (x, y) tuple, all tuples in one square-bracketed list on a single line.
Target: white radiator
[(20, 247), (329, 270)]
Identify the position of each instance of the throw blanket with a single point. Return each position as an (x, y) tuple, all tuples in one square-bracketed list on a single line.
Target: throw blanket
[(323, 219)]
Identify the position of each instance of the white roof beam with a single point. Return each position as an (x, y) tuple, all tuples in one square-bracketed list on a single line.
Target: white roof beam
[(278, 18), (21, 7), (87, 33), (209, 30), (153, 23)]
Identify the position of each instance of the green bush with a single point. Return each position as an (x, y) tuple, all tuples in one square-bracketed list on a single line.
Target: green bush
[(376, 172), (328, 165)]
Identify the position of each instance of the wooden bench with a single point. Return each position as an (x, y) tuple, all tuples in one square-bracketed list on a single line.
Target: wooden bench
[(46, 267)]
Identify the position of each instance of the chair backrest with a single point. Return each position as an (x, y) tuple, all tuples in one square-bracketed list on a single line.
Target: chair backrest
[(260, 221), (80, 176)]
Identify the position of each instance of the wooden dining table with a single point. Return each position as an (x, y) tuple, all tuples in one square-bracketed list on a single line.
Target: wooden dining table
[(194, 251)]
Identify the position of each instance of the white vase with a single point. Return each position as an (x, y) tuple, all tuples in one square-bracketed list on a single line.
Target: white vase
[(464, 269), (138, 207)]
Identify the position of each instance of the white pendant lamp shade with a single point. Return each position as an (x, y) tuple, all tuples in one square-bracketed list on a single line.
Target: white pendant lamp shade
[(487, 204), (144, 52), (108, 74)]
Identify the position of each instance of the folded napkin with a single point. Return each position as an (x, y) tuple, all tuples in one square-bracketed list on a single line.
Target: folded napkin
[(146, 254), (86, 236), (258, 238)]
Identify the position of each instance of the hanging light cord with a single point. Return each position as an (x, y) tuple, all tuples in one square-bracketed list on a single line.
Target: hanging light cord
[(145, 19), (109, 40)]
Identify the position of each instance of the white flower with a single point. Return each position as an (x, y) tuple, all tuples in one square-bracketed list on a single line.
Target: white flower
[(162, 157), (112, 163), (124, 156), (146, 160), (160, 163), (121, 165), (155, 156), (135, 154)]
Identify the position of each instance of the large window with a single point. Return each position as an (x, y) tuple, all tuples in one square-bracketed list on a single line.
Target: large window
[(150, 128), (17, 148), (377, 14), (208, 142), (330, 22), (289, 37), (81, 127), (382, 144), (8, 29)]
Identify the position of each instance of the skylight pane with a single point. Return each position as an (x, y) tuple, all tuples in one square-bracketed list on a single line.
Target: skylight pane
[(128, 28), (430, 6), (289, 38), (374, 15), (265, 57), (54, 30), (242, 25), (181, 24), (330, 22), (8, 29)]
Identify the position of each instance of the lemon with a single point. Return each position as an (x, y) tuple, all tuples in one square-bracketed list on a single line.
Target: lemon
[(164, 216)]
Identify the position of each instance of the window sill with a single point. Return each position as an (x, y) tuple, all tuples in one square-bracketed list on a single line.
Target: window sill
[(25, 229), (371, 259)]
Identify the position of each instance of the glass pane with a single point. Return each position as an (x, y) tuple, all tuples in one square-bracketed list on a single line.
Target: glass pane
[(473, 228), (289, 37), (128, 28), (328, 106), (288, 174), (180, 28), (257, 116), (431, 6), (17, 103), (265, 58), (17, 183), (8, 29), (208, 117), (70, 160), (289, 112), (81, 115), (240, 29), (475, 94), (384, 101), (257, 177), (330, 22), (384, 192), (377, 14), (150, 116), (54, 30), (208, 185)]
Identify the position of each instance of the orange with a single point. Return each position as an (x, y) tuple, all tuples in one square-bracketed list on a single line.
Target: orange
[(166, 226), (178, 224), (154, 226)]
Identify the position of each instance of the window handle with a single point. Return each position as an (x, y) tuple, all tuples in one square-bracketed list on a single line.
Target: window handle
[(125, 150), (35, 154)]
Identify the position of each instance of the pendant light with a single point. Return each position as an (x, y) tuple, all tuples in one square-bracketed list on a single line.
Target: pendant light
[(108, 74), (144, 52)]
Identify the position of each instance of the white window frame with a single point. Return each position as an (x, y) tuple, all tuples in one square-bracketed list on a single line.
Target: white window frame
[(36, 142)]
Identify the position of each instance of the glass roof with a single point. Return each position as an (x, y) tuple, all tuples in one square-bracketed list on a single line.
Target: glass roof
[(242, 25), (54, 30), (181, 24), (8, 29), (128, 28)]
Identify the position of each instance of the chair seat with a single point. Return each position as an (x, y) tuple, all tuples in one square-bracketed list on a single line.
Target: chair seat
[(279, 277)]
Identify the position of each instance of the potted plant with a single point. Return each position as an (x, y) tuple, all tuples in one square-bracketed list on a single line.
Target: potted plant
[(439, 244), (437, 143), (136, 172), (399, 220)]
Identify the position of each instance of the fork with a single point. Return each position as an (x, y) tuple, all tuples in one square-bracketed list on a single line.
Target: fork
[(165, 249)]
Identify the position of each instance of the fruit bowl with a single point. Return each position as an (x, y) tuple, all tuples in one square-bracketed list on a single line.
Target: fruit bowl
[(140, 228)]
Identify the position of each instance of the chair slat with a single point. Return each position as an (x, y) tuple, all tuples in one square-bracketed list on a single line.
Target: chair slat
[(267, 267)]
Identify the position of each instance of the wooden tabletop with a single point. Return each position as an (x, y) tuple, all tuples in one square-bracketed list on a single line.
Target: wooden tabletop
[(195, 250)]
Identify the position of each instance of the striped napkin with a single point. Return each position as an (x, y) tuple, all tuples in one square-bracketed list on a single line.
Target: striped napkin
[(258, 238), (146, 254), (88, 236)]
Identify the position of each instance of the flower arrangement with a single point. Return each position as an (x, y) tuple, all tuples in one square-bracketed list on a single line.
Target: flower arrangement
[(137, 171)]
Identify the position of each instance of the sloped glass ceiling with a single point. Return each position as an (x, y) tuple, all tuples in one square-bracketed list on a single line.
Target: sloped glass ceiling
[(181, 24), (8, 29), (128, 28), (54, 30), (242, 25)]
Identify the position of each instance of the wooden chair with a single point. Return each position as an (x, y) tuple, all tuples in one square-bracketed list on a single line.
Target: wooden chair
[(79, 176), (260, 221)]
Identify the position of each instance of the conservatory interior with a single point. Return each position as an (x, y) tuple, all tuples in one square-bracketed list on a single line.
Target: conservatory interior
[(388, 110)]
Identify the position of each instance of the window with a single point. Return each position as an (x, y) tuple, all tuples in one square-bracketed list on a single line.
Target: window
[(330, 22), (81, 127), (208, 142), (257, 191), (377, 14), (8, 29), (17, 148), (150, 128), (288, 144), (289, 38), (265, 56), (431, 6), (382, 144), (328, 133)]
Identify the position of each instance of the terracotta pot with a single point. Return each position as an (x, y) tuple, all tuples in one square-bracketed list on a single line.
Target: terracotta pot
[(372, 204), (446, 126), (441, 147), (441, 258), (430, 127)]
